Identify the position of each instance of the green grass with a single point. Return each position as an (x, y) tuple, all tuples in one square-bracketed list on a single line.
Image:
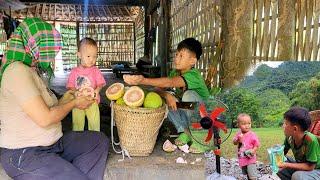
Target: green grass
[(267, 136)]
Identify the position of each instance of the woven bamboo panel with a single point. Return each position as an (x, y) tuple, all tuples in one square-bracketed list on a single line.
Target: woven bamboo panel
[(307, 30), (199, 19), (115, 41), (265, 30), (139, 32)]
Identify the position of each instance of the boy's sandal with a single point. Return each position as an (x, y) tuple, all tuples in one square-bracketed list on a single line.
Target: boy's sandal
[(182, 139), (197, 148)]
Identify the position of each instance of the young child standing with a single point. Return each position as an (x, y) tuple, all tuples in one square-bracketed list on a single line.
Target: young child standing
[(304, 145), (189, 84), (248, 144), (87, 75)]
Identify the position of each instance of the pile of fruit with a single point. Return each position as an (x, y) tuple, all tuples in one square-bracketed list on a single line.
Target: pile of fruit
[(133, 96)]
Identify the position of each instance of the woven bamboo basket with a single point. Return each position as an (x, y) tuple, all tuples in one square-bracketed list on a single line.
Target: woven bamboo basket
[(138, 128)]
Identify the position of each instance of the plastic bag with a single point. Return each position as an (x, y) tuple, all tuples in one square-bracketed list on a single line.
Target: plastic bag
[(276, 156)]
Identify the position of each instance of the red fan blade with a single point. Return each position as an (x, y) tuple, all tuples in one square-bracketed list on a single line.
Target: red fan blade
[(215, 113), (202, 110), (196, 125), (220, 125), (209, 136)]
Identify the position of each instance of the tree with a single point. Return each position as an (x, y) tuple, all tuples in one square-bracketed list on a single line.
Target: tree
[(241, 100), (273, 104), (307, 94)]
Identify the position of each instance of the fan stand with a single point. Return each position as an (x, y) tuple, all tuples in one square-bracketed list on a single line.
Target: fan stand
[(217, 152)]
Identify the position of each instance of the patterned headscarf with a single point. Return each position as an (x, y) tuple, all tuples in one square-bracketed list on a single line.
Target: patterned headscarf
[(34, 41)]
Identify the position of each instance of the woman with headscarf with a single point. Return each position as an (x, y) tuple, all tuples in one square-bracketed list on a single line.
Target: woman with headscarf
[(31, 139)]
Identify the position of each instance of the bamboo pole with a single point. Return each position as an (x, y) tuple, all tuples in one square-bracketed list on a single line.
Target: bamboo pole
[(309, 12), (273, 31), (286, 31)]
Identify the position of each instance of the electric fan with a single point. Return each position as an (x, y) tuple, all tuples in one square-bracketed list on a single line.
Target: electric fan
[(209, 126)]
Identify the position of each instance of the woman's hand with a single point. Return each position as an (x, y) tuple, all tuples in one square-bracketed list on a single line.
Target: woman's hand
[(67, 97), (171, 101), (83, 102)]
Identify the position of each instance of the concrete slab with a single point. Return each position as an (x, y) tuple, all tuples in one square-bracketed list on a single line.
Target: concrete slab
[(158, 166)]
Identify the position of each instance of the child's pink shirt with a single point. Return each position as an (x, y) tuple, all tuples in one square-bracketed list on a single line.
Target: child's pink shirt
[(80, 77), (249, 141)]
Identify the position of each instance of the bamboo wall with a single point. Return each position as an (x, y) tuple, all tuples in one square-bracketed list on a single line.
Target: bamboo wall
[(115, 41), (307, 42), (265, 30), (198, 19), (286, 30), (139, 33)]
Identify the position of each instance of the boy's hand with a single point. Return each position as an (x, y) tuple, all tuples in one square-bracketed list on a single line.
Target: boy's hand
[(282, 165), (171, 101), (133, 79)]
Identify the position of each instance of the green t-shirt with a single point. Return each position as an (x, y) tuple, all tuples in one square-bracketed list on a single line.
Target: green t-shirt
[(194, 81), (309, 151)]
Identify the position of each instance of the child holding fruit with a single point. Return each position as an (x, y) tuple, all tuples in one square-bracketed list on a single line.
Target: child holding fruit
[(85, 80), (188, 84), (248, 144), (304, 146)]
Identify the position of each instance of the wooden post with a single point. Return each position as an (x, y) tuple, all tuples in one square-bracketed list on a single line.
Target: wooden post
[(237, 38), (146, 29), (163, 36), (286, 31)]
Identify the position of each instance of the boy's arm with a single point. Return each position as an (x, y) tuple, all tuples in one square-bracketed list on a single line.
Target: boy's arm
[(170, 99), (298, 166), (163, 82)]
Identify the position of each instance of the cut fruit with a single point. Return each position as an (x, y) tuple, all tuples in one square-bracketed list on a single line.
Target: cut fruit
[(115, 91), (168, 146), (134, 96), (85, 91)]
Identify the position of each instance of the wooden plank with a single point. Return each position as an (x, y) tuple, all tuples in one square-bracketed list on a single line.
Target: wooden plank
[(309, 12)]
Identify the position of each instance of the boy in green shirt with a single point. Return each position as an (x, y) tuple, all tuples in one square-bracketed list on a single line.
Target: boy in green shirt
[(189, 83), (304, 145)]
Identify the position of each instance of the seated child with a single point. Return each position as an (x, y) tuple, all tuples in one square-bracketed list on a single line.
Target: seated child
[(304, 145), (188, 82), (248, 144), (83, 78)]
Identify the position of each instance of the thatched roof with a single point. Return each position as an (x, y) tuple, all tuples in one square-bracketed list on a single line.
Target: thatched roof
[(78, 12)]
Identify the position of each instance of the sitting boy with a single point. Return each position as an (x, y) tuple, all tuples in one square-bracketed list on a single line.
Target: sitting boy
[(189, 84), (304, 145)]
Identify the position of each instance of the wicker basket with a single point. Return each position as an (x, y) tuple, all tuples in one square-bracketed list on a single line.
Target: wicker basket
[(138, 128)]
